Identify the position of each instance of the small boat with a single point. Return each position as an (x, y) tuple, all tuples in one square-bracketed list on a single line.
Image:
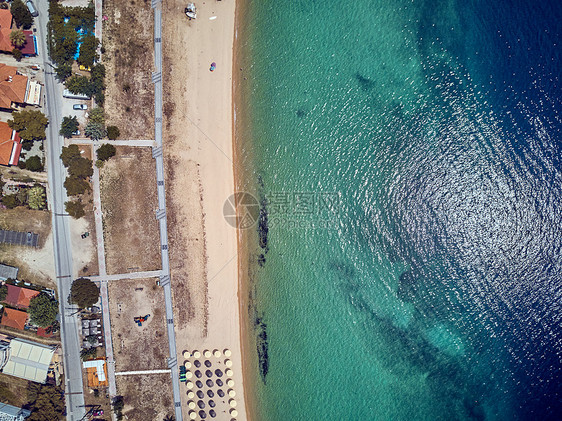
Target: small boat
[(213, 66), (190, 11)]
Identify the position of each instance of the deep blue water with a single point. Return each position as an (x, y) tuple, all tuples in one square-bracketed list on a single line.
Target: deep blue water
[(431, 287)]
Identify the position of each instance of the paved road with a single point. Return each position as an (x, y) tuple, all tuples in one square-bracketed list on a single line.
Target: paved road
[(132, 142), (61, 234), (161, 213)]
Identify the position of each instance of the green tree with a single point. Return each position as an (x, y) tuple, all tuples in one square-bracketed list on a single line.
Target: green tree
[(118, 405), (43, 310), (113, 132), (17, 38), (79, 85), (84, 293), (18, 55), (69, 153), (10, 201), (68, 126), (63, 71), (75, 209), (3, 292), (75, 186), (88, 354), (36, 197), (106, 151), (81, 168), (30, 124), (33, 163), (21, 14), (45, 402), (97, 115), (88, 51), (95, 131)]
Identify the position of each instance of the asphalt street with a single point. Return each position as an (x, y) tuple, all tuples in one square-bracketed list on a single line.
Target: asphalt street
[(70, 336)]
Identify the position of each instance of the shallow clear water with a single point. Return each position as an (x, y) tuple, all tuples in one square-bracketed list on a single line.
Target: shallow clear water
[(407, 156)]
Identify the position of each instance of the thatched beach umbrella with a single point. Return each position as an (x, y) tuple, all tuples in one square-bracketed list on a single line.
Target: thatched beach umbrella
[(228, 363), (227, 352), (217, 353)]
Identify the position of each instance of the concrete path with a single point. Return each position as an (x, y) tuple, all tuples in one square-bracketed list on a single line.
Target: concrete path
[(132, 275), (133, 142), (108, 340), (134, 373), (99, 23), (157, 154), (98, 215)]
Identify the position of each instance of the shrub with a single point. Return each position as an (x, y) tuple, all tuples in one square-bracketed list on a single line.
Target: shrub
[(75, 209), (95, 131), (10, 201), (17, 38), (106, 151), (113, 132), (97, 115), (33, 163), (18, 55)]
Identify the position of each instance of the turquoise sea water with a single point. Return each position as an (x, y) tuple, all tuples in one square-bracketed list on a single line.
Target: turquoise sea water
[(407, 157)]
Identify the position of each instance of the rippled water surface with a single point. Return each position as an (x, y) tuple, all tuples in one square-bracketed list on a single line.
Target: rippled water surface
[(407, 155)]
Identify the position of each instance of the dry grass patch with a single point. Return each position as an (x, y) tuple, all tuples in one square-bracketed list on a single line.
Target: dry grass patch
[(146, 397), (13, 390), (138, 347), (129, 201), (128, 58)]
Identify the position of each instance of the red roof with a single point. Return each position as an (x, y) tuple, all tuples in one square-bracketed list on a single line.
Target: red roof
[(14, 318), (45, 332), (5, 19), (19, 297), (28, 48), (10, 145), (13, 86)]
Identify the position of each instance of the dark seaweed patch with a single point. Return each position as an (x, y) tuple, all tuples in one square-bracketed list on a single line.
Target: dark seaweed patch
[(365, 83)]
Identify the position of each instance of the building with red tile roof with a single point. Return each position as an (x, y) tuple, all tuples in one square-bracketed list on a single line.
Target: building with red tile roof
[(6, 19), (6, 45), (10, 145), (14, 318), (13, 87), (19, 297)]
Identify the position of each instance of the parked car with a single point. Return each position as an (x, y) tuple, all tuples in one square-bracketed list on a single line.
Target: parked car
[(76, 133), (97, 413), (79, 107), (32, 9)]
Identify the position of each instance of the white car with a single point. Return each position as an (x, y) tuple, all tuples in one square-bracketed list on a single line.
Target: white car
[(79, 107)]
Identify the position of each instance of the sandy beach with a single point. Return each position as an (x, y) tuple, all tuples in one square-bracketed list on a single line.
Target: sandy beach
[(198, 130)]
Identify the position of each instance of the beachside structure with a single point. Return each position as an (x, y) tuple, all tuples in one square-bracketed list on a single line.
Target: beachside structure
[(13, 413), (19, 297), (10, 145), (8, 272), (97, 372), (28, 360), (15, 319), (6, 28), (16, 90)]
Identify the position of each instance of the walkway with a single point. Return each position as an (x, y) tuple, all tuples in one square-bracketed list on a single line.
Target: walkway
[(134, 373), (157, 153), (133, 142), (131, 275)]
